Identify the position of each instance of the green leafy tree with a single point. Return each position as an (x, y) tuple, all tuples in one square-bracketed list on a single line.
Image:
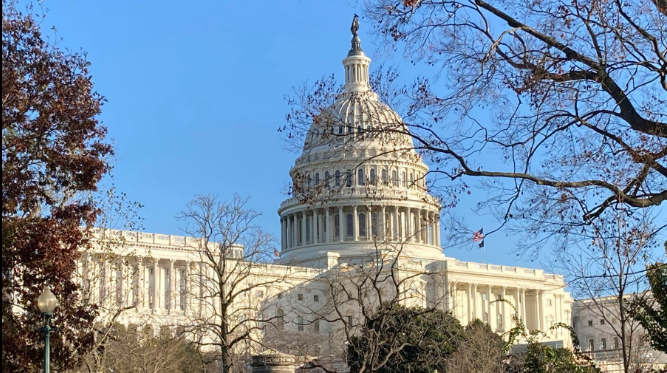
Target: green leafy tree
[(417, 340), (53, 156), (651, 312)]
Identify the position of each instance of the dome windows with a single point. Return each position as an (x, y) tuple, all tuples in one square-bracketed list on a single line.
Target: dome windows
[(317, 178), (348, 178), (337, 178), (385, 177), (326, 179), (362, 224), (372, 176), (360, 176)]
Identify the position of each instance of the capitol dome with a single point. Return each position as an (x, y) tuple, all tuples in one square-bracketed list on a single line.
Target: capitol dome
[(358, 184)]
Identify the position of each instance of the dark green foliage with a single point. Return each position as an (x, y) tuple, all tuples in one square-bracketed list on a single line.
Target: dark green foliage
[(407, 339), (653, 317)]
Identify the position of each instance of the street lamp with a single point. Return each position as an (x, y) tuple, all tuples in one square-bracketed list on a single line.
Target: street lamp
[(47, 302)]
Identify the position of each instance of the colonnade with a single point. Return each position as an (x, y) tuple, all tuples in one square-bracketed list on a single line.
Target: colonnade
[(359, 223), (538, 309), (161, 285)]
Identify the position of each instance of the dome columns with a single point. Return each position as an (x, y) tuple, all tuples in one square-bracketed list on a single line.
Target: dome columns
[(359, 223)]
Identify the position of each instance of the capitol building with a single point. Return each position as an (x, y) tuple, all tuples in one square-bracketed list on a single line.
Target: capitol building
[(359, 203)]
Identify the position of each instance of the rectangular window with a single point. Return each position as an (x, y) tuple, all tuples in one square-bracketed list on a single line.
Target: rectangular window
[(603, 344), (299, 323), (601, 321), (374, 224), (350, 321), (590, 322), (316, 298), (299, 296), (591, 345), (617, 345)]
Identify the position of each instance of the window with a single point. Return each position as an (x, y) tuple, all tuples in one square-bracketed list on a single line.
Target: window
[(591, 345), (299, 323), (350, 321), (316, 325), (500, 321), (317, 178), (360, 131), (362, 224), (374, 224), (403, 181), (617, 345), (603, 344), (384, 176), (549, 302), (340, 130), (299, 296), (348, 181), (326, 179), (601, 321), (590, 322), (350, 225), (372, 176), (337, 178), (316, 298), (412, 180), (394, 178), (310, 180), (360, 177)]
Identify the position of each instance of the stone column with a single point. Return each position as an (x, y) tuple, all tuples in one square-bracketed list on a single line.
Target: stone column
[(454, 299), (436, 234), (418, 229), (355, 223), (282, 234), (303, 228), (317, 226), (470, 306), (140, 284), (156, 281), (474, 302), (382, 224), (538, 309), (504, 308), (200, 285), (341, 219), (329, 229), (172, 286), (392, 223), (489, 316), (523, 307), (369, 225)]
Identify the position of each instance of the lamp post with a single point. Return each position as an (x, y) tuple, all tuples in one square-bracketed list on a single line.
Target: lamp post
[(47, 302)]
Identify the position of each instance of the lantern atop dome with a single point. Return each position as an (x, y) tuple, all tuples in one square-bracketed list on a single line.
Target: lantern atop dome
[(356, 64)]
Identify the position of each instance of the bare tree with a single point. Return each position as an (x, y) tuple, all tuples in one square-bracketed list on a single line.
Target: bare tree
[(232, 278), (557, 109), (610, 272)]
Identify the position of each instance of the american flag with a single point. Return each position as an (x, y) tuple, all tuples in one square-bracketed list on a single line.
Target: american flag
[(478, 236)]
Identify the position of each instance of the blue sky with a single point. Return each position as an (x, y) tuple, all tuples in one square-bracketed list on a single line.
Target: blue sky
[(196, 92)]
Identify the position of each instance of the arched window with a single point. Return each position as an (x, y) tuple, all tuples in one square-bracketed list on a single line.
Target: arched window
[(337, 177), (360, 131), (348, 182), (384, 176), (394, 178), (411, 180), (372, 176), (317, 178), (340, 130), (403, 183), (360, 177), (310, 180), (326, 179), (362, 224), (337, 225), (349, 225), (332, 130)]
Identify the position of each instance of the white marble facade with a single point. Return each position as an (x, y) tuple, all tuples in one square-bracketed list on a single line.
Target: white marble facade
[(354, 189)]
